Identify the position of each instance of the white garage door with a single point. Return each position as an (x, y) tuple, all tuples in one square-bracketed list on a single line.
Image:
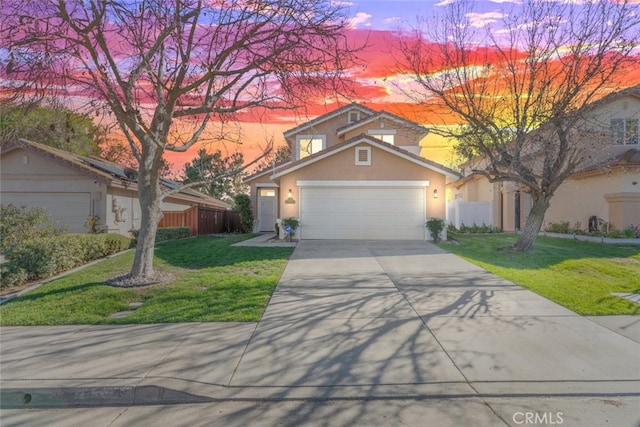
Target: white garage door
[(389, 213), (70, 209)]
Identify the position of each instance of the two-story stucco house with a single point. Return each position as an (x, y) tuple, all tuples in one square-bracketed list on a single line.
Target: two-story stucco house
[(355, 173), (607, 187)]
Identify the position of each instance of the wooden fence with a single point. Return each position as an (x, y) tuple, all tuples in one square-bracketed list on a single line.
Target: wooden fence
[(203, 220)]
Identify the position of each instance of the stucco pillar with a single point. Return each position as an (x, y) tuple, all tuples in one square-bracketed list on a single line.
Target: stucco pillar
[(624, 209)]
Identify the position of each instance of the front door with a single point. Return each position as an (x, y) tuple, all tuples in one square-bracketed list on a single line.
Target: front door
[(267, 209)]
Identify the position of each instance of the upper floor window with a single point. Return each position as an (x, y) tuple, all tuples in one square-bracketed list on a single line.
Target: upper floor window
[(385, 135), (354, 116), (309, 144), (624, 131)]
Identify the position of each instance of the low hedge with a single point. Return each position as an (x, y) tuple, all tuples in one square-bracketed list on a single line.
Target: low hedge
[(167, 233), (45, 257)]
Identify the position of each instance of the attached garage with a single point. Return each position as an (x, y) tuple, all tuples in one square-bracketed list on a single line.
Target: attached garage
[(371, 210), (69, 209)]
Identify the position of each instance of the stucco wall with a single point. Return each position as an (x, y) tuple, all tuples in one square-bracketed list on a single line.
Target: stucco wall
[(24, 172), (384, 166), (578, 199), (123, 211), (404, 136), (327, 128)]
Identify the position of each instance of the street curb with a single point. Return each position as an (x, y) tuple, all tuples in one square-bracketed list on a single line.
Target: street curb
[(69, 397)]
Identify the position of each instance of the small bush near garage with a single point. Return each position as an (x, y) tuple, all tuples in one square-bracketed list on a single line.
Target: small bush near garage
[(167, 233), (44, 257), (435, 227)]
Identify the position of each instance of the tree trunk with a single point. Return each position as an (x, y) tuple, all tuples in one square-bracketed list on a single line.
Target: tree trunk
[(149, 196), (532, 226)]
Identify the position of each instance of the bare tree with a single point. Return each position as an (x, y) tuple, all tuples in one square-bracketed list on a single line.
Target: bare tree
[(275, 158), (159, 64), (522, 86)]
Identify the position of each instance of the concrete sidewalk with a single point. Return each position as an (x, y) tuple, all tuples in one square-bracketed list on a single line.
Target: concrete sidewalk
[(356, 333)]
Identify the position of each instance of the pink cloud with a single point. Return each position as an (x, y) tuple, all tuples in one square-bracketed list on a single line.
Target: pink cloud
[(479, 20)]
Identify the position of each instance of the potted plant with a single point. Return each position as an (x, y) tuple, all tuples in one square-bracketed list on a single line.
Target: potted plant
[(290, 225)]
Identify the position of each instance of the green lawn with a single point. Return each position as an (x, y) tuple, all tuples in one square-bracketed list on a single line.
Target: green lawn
[(578, 275), (214, 282)]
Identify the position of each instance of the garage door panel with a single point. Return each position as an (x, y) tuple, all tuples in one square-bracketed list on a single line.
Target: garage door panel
[(362, 213), (69, 209)]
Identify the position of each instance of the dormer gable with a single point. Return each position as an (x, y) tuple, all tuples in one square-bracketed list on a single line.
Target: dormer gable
[(382, 117), (353, 111), (335, 127)]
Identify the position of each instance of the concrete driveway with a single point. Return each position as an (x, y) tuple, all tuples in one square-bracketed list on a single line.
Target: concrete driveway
[(408, 318), (380, 313)]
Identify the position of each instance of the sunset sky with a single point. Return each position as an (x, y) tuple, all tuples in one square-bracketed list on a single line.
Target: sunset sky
[(378, 22), (377, 78)]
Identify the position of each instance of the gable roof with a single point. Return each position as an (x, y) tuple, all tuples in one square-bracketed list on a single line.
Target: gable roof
[(110, 173), (323, 118), (383, 115), (270, 170), (421, 161), (633, 91), (628, 159)]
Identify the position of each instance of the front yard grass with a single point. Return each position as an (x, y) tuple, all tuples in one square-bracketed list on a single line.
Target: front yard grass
[(213, 282), (578, 275)]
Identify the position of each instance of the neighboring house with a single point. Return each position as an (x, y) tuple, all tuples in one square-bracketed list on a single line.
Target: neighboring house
[(608, 187), (355, 173), (72, 188)]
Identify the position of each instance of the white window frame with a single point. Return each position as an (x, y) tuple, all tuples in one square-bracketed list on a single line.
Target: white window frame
[(621, 134), (360, 162), (378, 133), (266, 189), (323, 138), (357, 114)]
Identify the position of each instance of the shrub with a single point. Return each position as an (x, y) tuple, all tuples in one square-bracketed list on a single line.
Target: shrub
[(21, 224), (44, 257), (558, 227), (12, 275), (435, 227), (615, 234), (92, 223), (630, 233), (243, 205), (635, 229), (483, 229)]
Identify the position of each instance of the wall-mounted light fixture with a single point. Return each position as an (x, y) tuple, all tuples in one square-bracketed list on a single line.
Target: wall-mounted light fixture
[(290, 200), (435, 194)]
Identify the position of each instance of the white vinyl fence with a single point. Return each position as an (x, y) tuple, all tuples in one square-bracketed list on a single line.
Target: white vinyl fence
[(468, 213)]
